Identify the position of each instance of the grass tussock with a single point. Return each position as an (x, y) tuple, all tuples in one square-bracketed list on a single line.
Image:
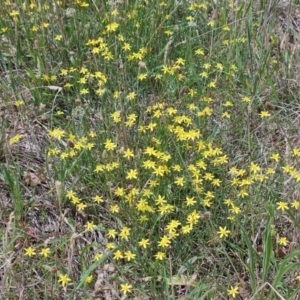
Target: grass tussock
[(149, 149)]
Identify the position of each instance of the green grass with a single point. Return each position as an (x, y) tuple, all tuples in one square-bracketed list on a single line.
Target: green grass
[(149, 150)]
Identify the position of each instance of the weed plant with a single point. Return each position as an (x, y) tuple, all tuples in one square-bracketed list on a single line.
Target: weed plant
[(149, 149)]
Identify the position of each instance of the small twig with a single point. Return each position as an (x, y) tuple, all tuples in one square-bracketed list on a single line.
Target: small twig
[(168, 46), (268, 284), (258, 233)]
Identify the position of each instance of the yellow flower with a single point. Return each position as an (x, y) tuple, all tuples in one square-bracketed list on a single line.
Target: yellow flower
[(58, 37), (226, 28), (226, 115), (142, 76), (125, 232), (84, 4), (45, 252), (160, 255), (89, 279), (119, 192), (179, 181), (126, 47), (219, 66), (68, 85), (212, 84), (116, 116), (164, 242), (19, 102), (129, 255), (115, 13), (110, 246), (98, 199), (118, 255), (125, 288), (192, 92), (283, 241), (193, 217), (132, 174), (235, 209), (207, 202), (242, 193), (144, 243), (172, 226), (224, 232), (246, 99), (228, 104), (128, 153), (90, 226), (63, 72), (180, 61), (295, 204), (112, 233), (228, 202), (296, 152), (270, 171), (233, 291), (112, 27), (56, 133), (190, 201), (211, 23), (97, 256), (275, 156), (84, 91), (199, 51), (131, 96), (114, 208), (264, 114), (160, 170), (168, 32), (281, 205), (109, 145), (81, 206), (15, 139), (30, 251), (14, 13), (64, 279), (203, 74)]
